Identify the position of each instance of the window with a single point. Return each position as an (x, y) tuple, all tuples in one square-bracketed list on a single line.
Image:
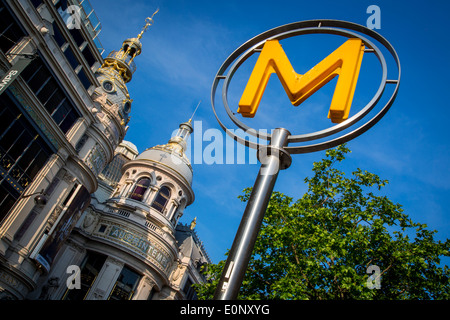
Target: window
[(71, 58), (23, 152), (59, 38), (8, 197), (36, 3), (65, 116), (61, 5), (127, 107), (80, 144), (90, 268), (84, 79), (161, 199), (10, 31), (139, 189), (126, 285), (108, 86), (189, 291), (112, 171), (90, 59), (77, 36), (48, 91)]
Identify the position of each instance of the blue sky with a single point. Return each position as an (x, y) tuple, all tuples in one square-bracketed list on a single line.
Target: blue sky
[(189, 41)]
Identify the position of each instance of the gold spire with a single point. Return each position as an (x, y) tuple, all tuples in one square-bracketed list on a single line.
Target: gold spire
[(122, 60), (193, 223), (148, 23), (190, 120)]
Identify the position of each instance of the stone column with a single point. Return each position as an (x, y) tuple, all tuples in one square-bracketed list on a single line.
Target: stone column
[(106, 279), (173, 207), (149, 194), (144, 288)]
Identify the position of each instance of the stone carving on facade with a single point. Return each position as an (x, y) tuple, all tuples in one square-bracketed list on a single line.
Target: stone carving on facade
[(54, 215), (114, 109), (109, 128), (76, 246), (68, 178), (96, 159), (101, 98), (114, 262), (177, 275), (90, 220)]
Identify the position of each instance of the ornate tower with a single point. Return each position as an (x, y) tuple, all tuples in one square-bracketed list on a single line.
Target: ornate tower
[(122, 61), (135, 235), (159, 180), (96, 147), (112, 103)]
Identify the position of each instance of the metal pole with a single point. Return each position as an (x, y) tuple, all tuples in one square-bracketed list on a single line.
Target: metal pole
[(273, 159)]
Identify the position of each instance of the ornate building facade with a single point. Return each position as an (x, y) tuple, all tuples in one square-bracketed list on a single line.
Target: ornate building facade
[(131, 246), (64, 116)]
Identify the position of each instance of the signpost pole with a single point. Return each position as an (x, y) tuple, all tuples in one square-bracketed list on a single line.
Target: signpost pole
[(273, 158)]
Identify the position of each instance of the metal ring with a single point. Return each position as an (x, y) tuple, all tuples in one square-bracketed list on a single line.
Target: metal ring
[(240, 55)]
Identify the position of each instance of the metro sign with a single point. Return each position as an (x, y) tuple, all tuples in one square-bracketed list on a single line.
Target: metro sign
[(344, 62), (275, 154)]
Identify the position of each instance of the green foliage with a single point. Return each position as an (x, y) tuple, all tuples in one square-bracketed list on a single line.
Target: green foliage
[(320, 246)]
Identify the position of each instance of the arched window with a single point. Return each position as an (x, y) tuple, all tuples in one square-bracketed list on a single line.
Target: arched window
[(140, 188), (161, 199)]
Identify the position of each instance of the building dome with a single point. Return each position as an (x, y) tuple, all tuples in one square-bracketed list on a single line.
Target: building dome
[(172, 155), (131, 146), (169, 157)]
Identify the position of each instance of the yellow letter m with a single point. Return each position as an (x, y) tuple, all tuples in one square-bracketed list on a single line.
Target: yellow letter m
[(345, 62)]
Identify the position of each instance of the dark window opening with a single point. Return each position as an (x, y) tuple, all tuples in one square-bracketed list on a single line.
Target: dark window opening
[(84, 79), (90, 59), (10, 30), (77, 36), (126, 285), (161, 199), (23, 153), (36, 3), (140, 188), (189, 291), (71, 57), (90, 268), (59, 38), (48, 91)]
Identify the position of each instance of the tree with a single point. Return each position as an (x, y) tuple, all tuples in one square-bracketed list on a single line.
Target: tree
[(341, 240)]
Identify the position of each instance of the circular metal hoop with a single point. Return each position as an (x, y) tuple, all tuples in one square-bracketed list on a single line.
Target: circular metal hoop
[(335, 27)]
